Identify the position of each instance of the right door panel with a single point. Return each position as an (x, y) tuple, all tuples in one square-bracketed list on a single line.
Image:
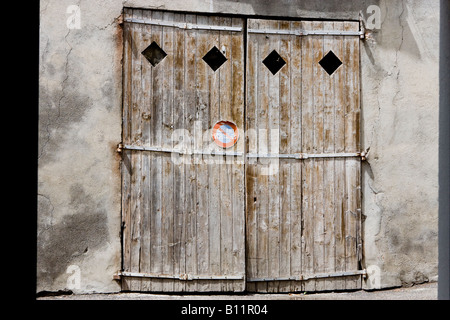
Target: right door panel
[(303, 228)]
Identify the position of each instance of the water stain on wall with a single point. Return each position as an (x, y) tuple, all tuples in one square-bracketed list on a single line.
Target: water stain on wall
[(75, 235)]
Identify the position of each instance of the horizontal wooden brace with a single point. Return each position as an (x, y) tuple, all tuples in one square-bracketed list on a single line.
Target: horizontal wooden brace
[(307, 32), (183, 25), (312, 276), (183, 277)]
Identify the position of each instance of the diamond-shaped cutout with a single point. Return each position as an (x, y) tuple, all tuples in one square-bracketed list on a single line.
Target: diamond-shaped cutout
[(274, 62), (330, 62), (214, 58), (154, 54)]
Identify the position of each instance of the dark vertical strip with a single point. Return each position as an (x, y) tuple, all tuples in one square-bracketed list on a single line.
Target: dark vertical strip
[(444, 155)]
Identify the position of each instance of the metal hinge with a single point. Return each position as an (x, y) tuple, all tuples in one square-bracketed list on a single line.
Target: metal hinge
[(304, 156), (182, 277), (297, 156), (121, 147), (313, 276), (120, 20), (308, 32)]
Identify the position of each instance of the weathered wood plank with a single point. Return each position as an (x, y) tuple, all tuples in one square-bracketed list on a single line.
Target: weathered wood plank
[(238, 196), (262, 127), (179, 172), (253, 61), (307, 166), (285, 235), (339, 164), (126, 164), (167, 209), (273, 127), (328, 124), (146, 80), (226, 183), (213, 172), (136, 135), (295, 142), (190, 168), (157, 249), (318, 93), (204, 44)]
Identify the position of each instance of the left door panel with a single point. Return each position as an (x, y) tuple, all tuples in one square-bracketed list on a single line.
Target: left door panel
[(183, 212)]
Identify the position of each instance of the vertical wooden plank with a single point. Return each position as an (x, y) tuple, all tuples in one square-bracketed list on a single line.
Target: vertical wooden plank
[(166, 68), (339, 144), (179, 181), (126, 155), (295, 141), (318, 94), (204, 44), (136, 135), (215, 244), (263, 138), (190, 168), (352, 134), (226, 182), (253, 61), (146, 80), (273, 127), (285, 231), (307, 166), (238, 195), (328, 127), (356, 94), (157, 248)]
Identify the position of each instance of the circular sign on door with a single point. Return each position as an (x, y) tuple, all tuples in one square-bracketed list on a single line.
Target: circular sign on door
[(225, 134)]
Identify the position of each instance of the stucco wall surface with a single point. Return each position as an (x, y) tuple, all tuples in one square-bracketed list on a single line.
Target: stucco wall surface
[(80, 98)]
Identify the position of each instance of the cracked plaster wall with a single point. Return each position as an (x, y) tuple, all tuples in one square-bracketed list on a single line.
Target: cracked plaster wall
[(400, 104), (80, 125)]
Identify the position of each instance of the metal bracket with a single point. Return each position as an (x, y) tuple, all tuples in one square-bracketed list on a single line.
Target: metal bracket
[(305, 156), (182, 277), (308, 32), (120, 20), (313, 276), (177, 151), (190, 277), (298, 156)]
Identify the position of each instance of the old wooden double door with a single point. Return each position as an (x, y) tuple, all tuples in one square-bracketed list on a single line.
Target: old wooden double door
[(277, 212)]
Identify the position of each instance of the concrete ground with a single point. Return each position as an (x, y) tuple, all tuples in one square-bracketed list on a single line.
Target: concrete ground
[(426, 291)]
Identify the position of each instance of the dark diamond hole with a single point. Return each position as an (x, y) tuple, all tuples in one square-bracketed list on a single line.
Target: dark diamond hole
[(154, 54), (274, 62), (330, 62), (214, 58)]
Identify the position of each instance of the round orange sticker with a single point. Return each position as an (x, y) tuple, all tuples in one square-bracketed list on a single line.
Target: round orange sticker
[(225, 134)]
